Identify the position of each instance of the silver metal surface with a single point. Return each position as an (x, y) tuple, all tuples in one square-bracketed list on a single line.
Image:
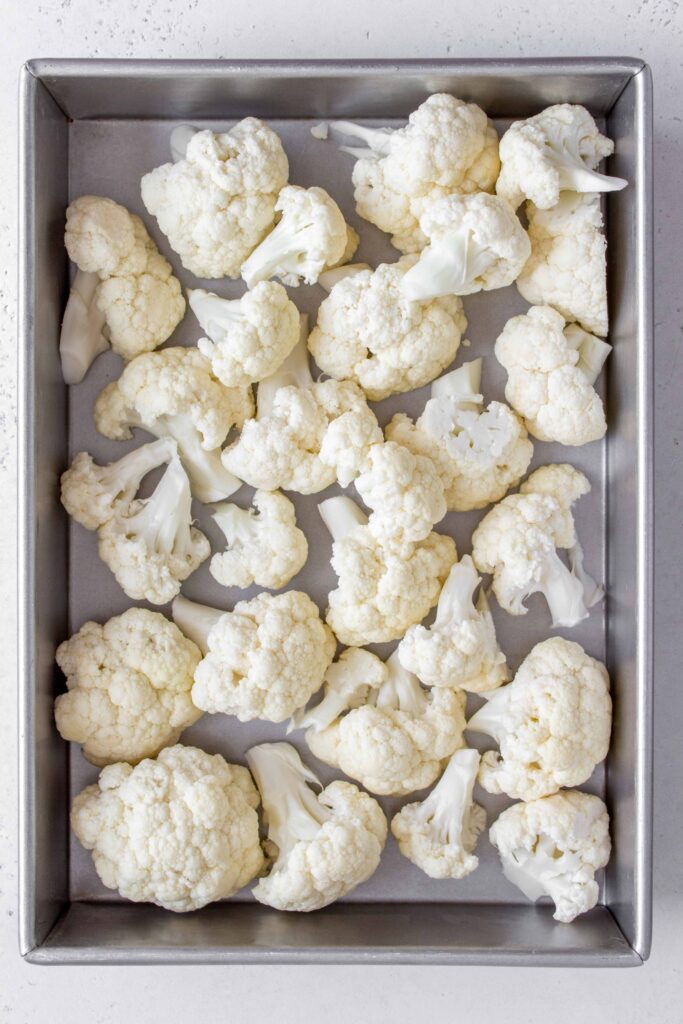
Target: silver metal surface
[(121, 129)]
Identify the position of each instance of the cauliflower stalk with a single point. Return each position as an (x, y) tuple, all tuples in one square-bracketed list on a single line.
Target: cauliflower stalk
[(385, 584), (553, 152), (263, 660), (369, 331), (84, 335), (448, 146), (475, 242), (553, 847), (403, 490), (264, 544), (460, 649), (173, 393), (217, 201), (310, 236), (517, 540), (387, 732), (479, 453), (128, 684), (552, 723), (439, 835), (551, 371), (248, 338), (327, 844), (180, 831)]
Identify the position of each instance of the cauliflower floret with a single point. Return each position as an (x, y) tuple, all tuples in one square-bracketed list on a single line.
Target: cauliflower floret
[(553, 847), (326, 844), (403, 490), (555, 151), (262, 660), (385, 585), (516, 542), (552, 723), (567, 268), (129, 685), (91, 494), (283, 446), (310, 236), (218, 201), (248, 338), (460, 649), (480, 453), (264, 546), (173, 393), (447, 146), (475, 242), (547, 383), (440, 834), (151, 545), (368, 331), (180, 831), (397, 740), (133, 292)]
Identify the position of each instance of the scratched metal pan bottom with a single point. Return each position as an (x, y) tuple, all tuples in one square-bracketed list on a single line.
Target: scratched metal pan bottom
[(96, 127)]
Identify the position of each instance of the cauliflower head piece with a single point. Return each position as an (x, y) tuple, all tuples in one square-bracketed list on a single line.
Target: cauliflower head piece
[(448, 146), (552, 723), (460, 649), (553, 152), (553, 847), (439, 834), (180, 831), (129, 684), (370, 332), (403, 490), (262, 660), (479, 452), (550, 382), (327, 843), (567, 268), (217, 202), (264, 544)]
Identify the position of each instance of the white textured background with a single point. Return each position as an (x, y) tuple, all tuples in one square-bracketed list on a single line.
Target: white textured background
[(652, 29)]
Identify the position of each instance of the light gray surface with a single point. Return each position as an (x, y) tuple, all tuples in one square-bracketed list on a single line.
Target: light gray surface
[(652, 30)]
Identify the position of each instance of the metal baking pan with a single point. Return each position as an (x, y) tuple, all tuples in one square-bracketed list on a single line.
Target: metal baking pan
[(96, 126)]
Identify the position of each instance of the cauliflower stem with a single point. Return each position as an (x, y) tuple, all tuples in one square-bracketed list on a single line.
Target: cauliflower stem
[(448, 266), (341, 516), (294, 371), (195, 621), (84, 335), (401, 690), (448, 808)]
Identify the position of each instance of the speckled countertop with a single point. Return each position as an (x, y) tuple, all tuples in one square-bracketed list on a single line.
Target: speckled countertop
[(651, 29)]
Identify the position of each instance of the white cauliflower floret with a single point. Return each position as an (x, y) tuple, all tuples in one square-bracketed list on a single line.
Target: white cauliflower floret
[(217, 202), (151, 545), (475, 242), (389, 734), (283, 446), (248, 338), (368, 331), (385, 585), (403, 490), (264, 659), (552, 723), (480, 453), (516, 542), (310, 236), (553, 847), (91, 494), (549, 383), (134, 291), (439, 835), (180, 831), (554, 151), (173, 393), (129, 685), (264, 544), (567, 268), (460, 649), (447, 146), (326, 844)]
